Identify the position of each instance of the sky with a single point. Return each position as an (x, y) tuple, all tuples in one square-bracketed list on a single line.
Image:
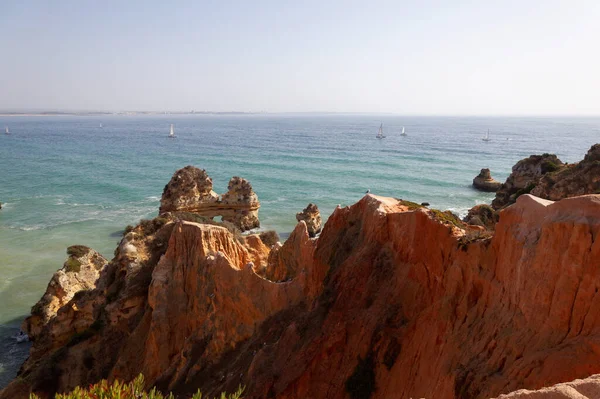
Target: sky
[(405, 57)]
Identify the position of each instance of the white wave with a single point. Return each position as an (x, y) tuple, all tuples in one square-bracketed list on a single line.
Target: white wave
[(461, 212)]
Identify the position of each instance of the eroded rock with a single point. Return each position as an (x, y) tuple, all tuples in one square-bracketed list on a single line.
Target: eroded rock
[(482, 215), (312, 217), (524, 177), (190, 190), (79, 273), (485, 182)]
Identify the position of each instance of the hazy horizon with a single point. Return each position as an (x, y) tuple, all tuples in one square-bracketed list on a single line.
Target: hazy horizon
[(385, 57)]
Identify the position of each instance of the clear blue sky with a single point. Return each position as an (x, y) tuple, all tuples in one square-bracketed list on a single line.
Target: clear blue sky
[(406, 57)]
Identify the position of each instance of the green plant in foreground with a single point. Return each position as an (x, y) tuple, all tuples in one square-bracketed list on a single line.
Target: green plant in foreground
[(131, 390)]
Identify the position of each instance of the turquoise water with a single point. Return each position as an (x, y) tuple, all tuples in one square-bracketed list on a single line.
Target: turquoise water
[(65, 180)]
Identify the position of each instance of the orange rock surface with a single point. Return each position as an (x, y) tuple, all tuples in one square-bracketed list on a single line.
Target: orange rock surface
[(391, 301)]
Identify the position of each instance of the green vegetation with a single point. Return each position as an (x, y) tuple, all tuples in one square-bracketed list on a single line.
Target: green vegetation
[(149, 227), (525, 190), (77, 251), (549, 166), (409, 204), (447, 217), (472, 237), (72, 265), (132, 390)]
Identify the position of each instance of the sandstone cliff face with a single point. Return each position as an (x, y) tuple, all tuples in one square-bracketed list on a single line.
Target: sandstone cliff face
[(79, 273), (391, 301), (190, 190)]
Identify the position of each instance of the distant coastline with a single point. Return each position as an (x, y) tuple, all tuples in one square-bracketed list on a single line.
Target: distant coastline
[(132, 113)]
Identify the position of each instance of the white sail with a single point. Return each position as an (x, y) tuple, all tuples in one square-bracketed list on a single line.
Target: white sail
[(7, 132), (172, 132), (101, 125), (402, 129), (380, 134), (487, 136)]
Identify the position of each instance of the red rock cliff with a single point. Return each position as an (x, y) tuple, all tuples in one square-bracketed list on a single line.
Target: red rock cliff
[(391, 301)]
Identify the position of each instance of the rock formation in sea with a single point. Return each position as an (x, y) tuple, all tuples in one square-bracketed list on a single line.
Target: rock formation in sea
[(392, 300), (544, 176), (191, 190), (312, 218), (484, 181)]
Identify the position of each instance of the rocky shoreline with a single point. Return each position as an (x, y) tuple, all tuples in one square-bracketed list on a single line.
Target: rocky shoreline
[(400, 300)]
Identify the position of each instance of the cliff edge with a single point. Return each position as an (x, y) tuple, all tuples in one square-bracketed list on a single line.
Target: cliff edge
[(392, 300)]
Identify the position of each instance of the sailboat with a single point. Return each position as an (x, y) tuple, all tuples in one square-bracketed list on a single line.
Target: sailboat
[(402, 134), (6, 130), (487, 136), (172, 133), (101, 126), (380, 132)]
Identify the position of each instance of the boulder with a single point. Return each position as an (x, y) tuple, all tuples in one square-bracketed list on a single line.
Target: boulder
[(312, 217), (485, 182)]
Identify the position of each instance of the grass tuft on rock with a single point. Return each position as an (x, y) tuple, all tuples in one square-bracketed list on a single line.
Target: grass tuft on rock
[(72, 265), (131, 390)]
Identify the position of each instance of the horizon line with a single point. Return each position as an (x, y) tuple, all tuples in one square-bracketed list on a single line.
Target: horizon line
[(64, 112)]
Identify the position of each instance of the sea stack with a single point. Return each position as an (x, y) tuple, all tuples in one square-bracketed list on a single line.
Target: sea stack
[(191, 190), (485, 182), (312, 217)]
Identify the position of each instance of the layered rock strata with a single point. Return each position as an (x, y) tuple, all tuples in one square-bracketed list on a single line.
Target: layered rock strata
[(484, 181), (312, 217), (191, 190), (393, 300)]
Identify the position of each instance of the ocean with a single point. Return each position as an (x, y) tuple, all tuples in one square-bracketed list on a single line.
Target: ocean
[(65, 180)]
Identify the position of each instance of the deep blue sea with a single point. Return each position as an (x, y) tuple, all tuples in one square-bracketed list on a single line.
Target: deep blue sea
[(64, 180)]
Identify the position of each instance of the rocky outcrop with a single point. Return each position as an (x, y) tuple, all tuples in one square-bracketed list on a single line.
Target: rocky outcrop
[(572, 180), (485, 182), (547, 177), (588, 388), (393, 300), (524, 178), (79, 273), (244, 204), (482, 215), (312, 217), (191, 190)]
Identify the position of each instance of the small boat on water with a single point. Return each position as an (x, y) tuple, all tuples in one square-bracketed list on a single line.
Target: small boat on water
[(403, 133), (101, 126), (172, 133), (487, 136), (6, 131), (380, 134)]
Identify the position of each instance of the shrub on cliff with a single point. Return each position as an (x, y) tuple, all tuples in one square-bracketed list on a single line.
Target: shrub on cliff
[(132, 390)]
